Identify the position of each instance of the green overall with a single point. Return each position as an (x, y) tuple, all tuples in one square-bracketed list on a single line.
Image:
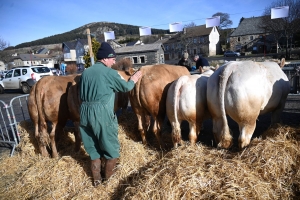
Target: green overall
[(98, 122)]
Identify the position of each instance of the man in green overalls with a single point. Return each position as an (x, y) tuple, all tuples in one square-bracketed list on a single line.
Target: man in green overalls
[(98, 122)]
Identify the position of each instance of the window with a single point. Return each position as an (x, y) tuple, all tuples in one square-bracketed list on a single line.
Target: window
[(24, 71), (202, 39), (8, 74), (17, 72), (251, 37), (142, 59), (135, 59), (162, 60), (195, 40), (239, 39)]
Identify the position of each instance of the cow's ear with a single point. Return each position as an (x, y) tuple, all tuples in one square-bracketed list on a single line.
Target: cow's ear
[(282, 63)]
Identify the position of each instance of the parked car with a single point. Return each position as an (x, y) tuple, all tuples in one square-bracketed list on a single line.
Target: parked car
[(231, 54), (53, 71), (24, 77), (1, 87)]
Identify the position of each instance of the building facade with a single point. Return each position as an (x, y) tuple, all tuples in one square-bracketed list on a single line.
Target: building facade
[(147, 54)]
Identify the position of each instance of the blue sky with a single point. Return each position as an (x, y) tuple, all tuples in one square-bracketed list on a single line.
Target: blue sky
[(28, 20)]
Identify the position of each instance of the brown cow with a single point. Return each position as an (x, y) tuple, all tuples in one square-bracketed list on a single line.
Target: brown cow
[(124, 68), (149, 96), (48, 102)]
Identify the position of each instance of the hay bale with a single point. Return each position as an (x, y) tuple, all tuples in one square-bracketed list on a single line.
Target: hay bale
[(267, 169)]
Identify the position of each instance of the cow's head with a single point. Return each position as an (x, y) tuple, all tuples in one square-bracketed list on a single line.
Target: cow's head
[(124, 65)]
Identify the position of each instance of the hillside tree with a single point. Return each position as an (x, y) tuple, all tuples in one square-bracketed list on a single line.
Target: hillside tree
[(3, 44), (87, 57)]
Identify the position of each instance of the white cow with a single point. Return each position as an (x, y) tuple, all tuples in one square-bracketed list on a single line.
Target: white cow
[(244, 90), (186, 100)]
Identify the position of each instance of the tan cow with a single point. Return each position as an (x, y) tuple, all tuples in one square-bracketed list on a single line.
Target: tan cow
[(244, 90), (148, 97), (47, 102), (186, 100)]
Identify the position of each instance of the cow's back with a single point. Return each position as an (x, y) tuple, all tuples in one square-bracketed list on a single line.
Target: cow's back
[(243, 90), (151, 90)]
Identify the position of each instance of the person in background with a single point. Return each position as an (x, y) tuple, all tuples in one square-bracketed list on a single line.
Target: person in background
[(200, 63), (185, 62), (63, 68), (98, 122)]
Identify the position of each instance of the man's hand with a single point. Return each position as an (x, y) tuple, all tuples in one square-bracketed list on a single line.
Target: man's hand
[(135, 77)]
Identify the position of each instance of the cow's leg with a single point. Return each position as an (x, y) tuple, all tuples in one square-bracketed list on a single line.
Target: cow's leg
[(42, 141), (193, 133), (43, 138), (53, 139), (275, 117), (157, 126), (246, 132), (141, 127), (77, 137)]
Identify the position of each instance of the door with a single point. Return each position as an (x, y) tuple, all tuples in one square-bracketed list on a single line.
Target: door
[(7, 80), (16, 78)]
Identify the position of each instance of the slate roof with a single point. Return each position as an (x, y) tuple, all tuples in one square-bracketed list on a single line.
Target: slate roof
[(249, 26), (195, 31), (43, 51), (83, 41), (25, 57), (139, 48), (70, 45)]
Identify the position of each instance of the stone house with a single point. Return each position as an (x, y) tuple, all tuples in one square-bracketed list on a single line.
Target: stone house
[(147, 54), (250, 36), (34, 59), (196, 40)]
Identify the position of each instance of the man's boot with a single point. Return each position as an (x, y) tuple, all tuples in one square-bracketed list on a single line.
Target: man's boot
[(96, 169), (110, 167)]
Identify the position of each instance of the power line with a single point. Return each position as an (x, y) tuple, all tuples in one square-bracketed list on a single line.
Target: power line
[(205, 18)]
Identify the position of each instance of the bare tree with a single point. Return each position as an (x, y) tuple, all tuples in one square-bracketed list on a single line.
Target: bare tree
[(225, 21), (285, 27), (3, 44), (185, 38), (192, 24)]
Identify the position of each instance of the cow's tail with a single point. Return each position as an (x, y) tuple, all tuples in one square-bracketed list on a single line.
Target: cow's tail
[(39, 94), (178, 84), (225, 75)]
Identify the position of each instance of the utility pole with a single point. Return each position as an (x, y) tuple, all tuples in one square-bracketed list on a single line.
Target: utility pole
[(90, 45)]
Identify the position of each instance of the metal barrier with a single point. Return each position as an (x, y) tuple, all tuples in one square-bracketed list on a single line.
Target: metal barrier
[(10, 116), (292, 72)]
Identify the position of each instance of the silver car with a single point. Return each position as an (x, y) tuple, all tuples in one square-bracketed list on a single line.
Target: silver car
[(231, 54)]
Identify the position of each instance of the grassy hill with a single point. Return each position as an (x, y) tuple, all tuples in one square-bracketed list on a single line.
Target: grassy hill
[(97, 29)]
